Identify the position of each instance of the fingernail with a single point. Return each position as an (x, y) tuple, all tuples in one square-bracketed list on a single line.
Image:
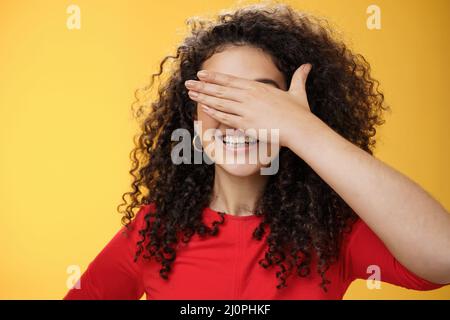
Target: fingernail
[(189, 83), (308, 67), (206, 109), (193, 94), (202, 73)]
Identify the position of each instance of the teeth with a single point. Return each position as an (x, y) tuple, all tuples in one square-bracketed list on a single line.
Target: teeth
[(239, 140)]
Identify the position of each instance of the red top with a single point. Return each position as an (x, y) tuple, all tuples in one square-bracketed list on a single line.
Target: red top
[(226, 267)]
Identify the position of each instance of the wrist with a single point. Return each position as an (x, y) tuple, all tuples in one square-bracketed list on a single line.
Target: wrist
[(300, 129)]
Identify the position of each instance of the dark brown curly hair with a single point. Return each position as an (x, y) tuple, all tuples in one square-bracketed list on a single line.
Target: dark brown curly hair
[(305, 216)]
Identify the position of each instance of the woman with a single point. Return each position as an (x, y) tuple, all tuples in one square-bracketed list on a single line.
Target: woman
[(320, 213)]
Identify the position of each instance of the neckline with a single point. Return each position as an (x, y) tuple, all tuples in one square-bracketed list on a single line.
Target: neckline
[(230, 216)]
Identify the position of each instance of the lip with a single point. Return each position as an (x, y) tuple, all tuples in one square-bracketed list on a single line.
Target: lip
[(245, 147)]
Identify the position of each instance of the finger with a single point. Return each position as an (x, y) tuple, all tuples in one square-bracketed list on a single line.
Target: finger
[(298, 81), (220, 104), (219, 91), (223, 117), (224, 79)]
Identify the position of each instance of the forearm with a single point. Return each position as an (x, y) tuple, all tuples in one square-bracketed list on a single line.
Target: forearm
[(414, 226)]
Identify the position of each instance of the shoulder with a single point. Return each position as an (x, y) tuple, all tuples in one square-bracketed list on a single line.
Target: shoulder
[(357, 229), (144, 210), (141, 219)]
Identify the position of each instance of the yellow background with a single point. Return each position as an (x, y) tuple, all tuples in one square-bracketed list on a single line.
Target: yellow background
[(66, 127)]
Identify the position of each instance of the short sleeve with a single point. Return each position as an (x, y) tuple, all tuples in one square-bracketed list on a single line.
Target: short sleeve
[(363, 248), (113, 274)]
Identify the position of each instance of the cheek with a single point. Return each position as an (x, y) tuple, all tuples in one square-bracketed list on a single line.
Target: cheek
[(207, 125), (206, 121)]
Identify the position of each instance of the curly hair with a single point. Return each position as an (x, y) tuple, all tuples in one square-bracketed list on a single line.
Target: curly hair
[(305, 216)]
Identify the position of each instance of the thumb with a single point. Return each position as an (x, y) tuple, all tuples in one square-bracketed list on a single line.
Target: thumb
[(297, 87)]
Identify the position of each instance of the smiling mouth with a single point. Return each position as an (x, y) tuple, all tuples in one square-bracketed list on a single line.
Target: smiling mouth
[(238, 141)]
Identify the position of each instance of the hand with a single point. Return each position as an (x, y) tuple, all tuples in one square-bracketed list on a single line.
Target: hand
[(248, 104)]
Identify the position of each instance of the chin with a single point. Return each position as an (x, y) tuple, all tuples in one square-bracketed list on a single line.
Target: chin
[(238, 159), (241, 170)]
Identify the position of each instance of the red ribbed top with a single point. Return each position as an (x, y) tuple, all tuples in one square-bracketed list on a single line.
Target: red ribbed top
[(226, 267)]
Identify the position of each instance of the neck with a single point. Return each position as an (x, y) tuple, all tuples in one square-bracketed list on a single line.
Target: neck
[(236, 195)]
